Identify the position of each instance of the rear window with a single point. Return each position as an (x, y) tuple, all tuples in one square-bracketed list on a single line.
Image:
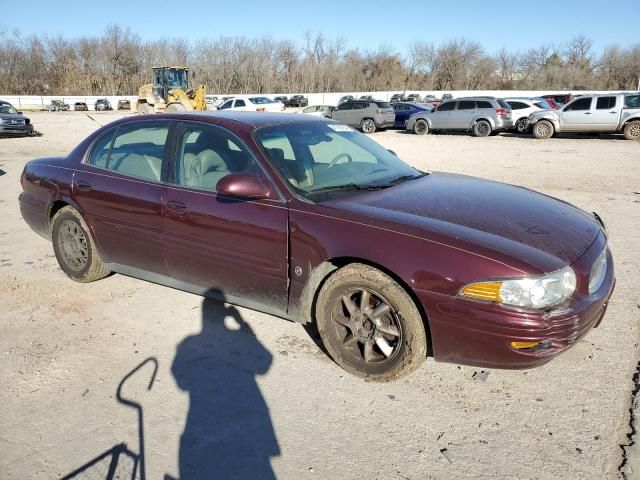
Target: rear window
[(503, 104), (383, 104), (605, 103), (261, 100)]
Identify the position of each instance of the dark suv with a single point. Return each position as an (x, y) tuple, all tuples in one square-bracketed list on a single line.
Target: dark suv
[(299, 101), (283, 99), (102, 104), (367, 115)]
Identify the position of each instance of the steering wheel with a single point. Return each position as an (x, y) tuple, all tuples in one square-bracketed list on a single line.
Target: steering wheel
[(338, 157)]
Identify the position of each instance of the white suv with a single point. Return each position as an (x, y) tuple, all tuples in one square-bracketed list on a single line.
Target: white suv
[(521, 108)]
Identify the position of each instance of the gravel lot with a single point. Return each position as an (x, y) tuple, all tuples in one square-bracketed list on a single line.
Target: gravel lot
[(66, 347)]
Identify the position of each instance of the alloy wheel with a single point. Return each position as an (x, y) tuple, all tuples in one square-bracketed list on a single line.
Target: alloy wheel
[(73, 245)]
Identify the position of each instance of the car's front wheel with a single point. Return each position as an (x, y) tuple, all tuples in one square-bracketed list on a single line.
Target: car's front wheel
[(74, 248), (368, 126), (421, 127), (543, 130), (369, 324)]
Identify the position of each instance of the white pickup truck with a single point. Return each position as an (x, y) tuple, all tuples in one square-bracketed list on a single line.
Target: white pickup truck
[(603, 113)]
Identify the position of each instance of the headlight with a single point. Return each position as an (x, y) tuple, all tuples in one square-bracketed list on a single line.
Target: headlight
[(532, 292), (598, 272)]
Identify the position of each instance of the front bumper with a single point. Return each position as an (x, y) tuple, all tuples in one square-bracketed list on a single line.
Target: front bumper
[(16, 129), (480, 333)]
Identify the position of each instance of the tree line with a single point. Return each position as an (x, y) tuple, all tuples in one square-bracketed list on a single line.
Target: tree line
[(118, 62)]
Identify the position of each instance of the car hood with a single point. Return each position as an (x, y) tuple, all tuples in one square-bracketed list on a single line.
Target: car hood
[(12, 116), (526, 230)]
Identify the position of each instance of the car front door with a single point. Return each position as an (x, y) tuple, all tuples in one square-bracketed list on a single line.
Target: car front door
[(402, 111), (577, 116), (118, 189), (232, 246), (441, 117), (341, 114), (606, 114)]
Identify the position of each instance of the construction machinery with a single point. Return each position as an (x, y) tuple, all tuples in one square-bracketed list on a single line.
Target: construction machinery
[(170, 92)]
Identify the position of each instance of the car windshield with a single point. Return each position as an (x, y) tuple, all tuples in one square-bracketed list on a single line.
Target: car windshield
[(260, 100), (6, 108), (322, 159)]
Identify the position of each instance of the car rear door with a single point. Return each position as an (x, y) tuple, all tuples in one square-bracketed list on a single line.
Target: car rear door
[(577, 116), (118, 189), (441, 118), (235, 247), (606, 113), (461, 118)]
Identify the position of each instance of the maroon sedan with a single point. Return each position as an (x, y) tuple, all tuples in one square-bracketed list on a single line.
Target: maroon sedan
[(309, 220)]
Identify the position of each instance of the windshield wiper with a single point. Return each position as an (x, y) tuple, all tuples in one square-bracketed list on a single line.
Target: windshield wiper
[(348, 186), (402, 178)]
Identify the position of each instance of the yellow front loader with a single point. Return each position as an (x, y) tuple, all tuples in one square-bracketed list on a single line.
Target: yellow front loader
[(170, 92)]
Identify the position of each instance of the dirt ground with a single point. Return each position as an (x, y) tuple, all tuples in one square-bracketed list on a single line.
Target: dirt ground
[(262, 388)]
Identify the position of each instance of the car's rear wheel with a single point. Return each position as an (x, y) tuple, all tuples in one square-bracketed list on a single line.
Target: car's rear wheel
[(632, 131), (74, 248), (369, 324), (421, 127), (481, 128), (543, 129), (368, 126), (521, 125)]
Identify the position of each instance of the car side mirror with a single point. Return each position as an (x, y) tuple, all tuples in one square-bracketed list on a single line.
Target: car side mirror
[(244, 185)]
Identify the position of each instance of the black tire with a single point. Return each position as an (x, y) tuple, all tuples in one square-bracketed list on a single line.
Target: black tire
[(522, 126), (368, 126), (481, 128), (385, 325), (543, 130), (74, 248), (632, 130), (175, 107), (421, 127)]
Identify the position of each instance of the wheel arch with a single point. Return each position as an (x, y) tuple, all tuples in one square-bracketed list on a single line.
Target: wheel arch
[(486, 119), (58, 205), (323, 271), (629, 120)]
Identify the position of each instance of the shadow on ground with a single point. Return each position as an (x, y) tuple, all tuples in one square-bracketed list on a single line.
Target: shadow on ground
[(228, 432)]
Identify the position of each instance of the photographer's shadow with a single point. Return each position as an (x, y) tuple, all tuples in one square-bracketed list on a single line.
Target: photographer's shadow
[(228, 432)]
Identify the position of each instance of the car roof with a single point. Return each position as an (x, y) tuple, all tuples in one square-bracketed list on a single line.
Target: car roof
[(250, 119)]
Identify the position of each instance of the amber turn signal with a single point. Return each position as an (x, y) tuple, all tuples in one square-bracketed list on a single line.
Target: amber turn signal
[(483, 291), (522, 345)]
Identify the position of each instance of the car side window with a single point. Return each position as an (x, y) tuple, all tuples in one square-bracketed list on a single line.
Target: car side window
[(446, 107), (345, 106), (580, 104), (240, 103), (206, 154), (517, 105), (632, 101), (226, 105), (466, 105), (99, 155), (137, 150), (310, 109), (605, 103), (484, 104)]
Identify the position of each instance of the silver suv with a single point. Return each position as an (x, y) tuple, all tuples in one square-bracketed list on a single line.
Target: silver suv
[(367, 115), (480, 115)]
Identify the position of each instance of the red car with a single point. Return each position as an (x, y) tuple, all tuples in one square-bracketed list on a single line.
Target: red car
[(309, 220)]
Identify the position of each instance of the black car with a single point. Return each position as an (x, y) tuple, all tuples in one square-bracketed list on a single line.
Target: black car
[(345, 98), (283, 99), (102, 104), (124, 105), (397, 97), (13, 122), (80, 107), (298, 101)]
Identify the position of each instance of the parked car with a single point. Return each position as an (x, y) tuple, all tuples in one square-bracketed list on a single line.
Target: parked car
[(480, 115), (318, 110), (366, 97), (346, 98), (446, 96), (211, 101), (80, 107), (12, 122), (312, 221), (414, 97), (252, 104), (124, 105), (58, 106), (283, 99), (559, 99), (367, 115), (404, 110), (397, 97), (521, 108), (298, 101), (603, 113), (102, 104)]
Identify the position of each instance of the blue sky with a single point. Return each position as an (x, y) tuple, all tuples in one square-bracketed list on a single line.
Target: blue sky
[(364, 24)]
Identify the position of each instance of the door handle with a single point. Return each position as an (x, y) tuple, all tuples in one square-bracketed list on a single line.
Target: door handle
[(176, 206), (84, 186), (587, 113), (613, 112)]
